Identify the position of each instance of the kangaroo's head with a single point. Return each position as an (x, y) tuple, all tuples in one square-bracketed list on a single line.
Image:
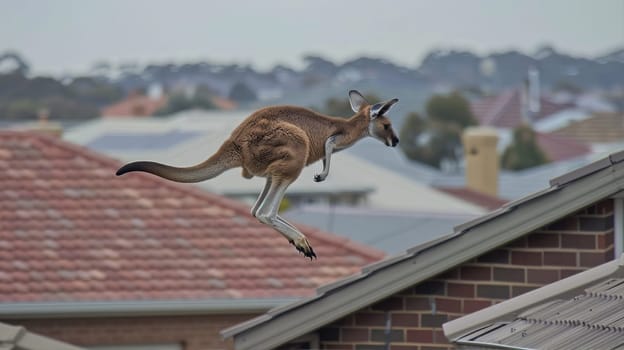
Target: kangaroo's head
[(379, 125)]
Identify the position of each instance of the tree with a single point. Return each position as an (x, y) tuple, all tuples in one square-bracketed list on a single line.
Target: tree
[(436, 139), (523, 152), (180, 102), (450, 109), (242, 93)]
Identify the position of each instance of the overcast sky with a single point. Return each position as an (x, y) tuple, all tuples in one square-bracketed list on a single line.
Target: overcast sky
[(70, 35)]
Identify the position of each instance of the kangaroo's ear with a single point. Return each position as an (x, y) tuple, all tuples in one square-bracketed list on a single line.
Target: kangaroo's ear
[(381, 108), (357, 100)]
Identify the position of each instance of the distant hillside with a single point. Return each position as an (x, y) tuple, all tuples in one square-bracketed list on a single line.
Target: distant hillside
[(440, 71)]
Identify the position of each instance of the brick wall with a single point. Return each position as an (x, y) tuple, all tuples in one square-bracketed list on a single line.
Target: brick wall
[(566, 247), (192, 332)]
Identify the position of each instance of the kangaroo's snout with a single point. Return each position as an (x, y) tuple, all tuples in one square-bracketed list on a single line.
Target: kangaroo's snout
[(392, 142)]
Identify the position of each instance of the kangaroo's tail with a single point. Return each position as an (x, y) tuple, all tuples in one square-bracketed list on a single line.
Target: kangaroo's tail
[(225, 158)]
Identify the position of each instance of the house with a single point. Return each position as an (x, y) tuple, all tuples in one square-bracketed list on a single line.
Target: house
[(510, 109), (98, 260), (136, 104), (190, 137), (19, 338), (599, 128), (584, 311), (402, 301)]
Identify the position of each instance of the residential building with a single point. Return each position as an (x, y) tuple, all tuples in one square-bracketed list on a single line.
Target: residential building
[(136, 104), (117, 263), (402, 301)]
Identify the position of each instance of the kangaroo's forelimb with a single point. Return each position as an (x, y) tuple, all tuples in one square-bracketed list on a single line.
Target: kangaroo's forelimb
[(330, 144)]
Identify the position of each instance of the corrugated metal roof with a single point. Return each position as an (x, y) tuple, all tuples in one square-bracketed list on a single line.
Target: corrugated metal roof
[(19, 338), (592, 320)]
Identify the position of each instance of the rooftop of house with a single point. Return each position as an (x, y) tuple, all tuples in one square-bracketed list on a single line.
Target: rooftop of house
[(599, 128), (558, 147), (506, 110), (584, 311), (135, 105), (73, 232)]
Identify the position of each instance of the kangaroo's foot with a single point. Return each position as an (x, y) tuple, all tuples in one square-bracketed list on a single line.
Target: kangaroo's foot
[(303, 246), (319, 177)]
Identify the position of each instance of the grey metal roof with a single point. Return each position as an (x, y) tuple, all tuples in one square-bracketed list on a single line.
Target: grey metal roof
[(380, 280), (19, 338), (591, 320), (389, 231)]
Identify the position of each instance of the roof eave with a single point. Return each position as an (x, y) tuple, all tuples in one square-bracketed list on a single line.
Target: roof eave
[(400, 275), (24, 310)]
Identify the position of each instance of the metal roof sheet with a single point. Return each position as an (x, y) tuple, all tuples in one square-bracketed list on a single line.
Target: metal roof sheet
[(592, 320)]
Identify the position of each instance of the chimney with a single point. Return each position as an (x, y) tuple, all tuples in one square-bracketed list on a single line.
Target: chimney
[(481, 159), (45, 126)]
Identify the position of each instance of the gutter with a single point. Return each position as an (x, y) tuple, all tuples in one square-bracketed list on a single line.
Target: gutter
[(24, 310)]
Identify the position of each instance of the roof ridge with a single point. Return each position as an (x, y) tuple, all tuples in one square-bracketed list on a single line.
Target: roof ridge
[(506, 97)]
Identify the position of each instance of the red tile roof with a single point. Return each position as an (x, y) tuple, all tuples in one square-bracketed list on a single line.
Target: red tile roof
[(72, 231), (559, 147), (481, 199), (601, 127), (135, 105), (506, 111)]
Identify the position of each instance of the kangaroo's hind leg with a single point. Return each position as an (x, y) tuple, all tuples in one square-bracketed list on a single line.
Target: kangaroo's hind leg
[(261, 197), (267, 213)]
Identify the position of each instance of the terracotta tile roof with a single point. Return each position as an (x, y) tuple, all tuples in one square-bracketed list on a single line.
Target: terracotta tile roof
[(506, 111), (481, 199), (602, 127), (136, 105), (558, 148), (72, 231), (223, 103)]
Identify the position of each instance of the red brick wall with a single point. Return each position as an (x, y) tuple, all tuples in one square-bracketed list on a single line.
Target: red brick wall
[(556, 251), (192, 332)]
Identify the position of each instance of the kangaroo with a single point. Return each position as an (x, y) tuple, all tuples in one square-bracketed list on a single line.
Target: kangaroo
[(276, 143)]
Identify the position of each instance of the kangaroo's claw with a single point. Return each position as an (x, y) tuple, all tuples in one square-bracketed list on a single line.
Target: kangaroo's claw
[(304, 247), (319, 178)]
